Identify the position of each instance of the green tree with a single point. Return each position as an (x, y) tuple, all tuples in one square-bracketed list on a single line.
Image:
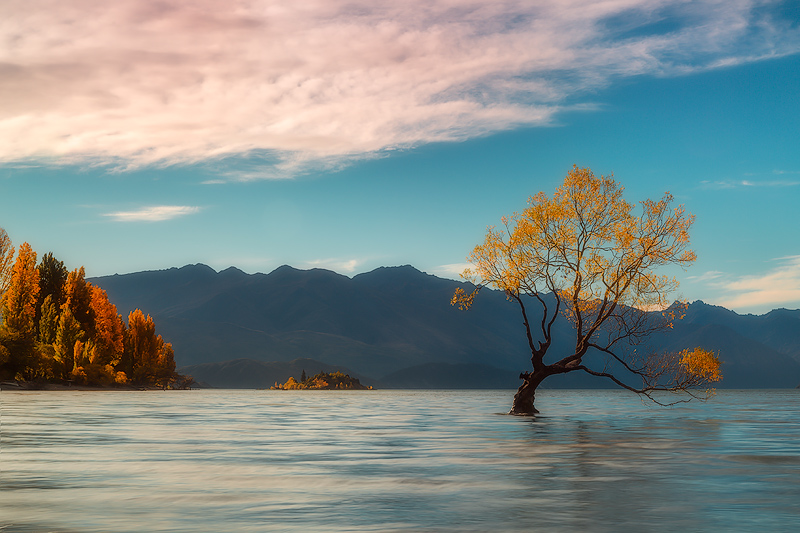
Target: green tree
[(68, 333), (585, 254), (52, 278), (48, 322)]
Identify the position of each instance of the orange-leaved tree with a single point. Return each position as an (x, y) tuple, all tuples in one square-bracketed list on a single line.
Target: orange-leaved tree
[(147, 359), (586, 254), (6, 260), (18, 306)]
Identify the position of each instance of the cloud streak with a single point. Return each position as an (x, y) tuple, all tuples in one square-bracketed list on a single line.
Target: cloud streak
[(779, 286), (157, 213), (319, 82), (737, 184), (335, 264)]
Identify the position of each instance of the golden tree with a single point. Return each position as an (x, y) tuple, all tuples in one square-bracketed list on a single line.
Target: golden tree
[(6, 261), (78, 299), (109, 328), (18, 308), (19, 300), (584, 253), (148, 359)]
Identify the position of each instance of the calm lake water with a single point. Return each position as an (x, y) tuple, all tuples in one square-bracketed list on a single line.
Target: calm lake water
[(216, 460)]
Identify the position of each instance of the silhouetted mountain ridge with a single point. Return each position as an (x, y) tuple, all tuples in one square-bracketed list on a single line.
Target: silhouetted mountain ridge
[(390, 323)]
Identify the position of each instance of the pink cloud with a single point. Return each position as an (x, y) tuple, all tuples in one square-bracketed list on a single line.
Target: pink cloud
[(154, 82)]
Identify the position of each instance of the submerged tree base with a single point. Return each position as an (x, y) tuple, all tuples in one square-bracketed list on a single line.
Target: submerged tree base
[(526, 394), (515, 412)]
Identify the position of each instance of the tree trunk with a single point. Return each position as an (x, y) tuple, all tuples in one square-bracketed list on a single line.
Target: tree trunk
[(523, 399)]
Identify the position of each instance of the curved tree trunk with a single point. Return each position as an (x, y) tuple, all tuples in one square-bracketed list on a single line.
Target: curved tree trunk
[(526, 394)]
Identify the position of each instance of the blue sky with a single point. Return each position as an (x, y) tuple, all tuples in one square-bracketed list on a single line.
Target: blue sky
[(349, 135)]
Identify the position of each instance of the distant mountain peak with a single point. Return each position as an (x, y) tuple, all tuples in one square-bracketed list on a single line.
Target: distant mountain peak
[(197, 267), (232, 271), (391, 272)]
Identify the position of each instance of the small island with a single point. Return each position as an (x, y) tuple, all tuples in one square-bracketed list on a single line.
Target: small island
[(323, 381)]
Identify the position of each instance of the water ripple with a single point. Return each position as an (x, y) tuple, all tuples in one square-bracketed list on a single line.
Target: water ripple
[(396, 461)]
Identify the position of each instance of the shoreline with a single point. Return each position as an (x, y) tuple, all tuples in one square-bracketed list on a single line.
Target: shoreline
[(39, 386)]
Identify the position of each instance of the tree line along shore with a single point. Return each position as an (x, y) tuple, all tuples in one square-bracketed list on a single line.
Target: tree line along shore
[(57, 328)]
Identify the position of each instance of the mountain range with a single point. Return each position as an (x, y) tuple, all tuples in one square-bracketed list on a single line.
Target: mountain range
[(395, 327)]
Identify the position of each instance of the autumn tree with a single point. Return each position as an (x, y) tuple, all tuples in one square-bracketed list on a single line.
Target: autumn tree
[(78, 299), (19, 300), (586, 255), (55, 325), (18, 306), (6, 260), (96, 358), (148, 359)]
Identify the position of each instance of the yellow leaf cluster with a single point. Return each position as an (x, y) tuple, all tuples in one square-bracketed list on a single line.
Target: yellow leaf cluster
[(462, 299), (701, 364)]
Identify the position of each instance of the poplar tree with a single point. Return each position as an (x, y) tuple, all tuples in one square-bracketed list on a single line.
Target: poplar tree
[(19, 300), (78, 298), (68, 333), (48, 321), (150, 359), (18, 333), (52, 277), (6, 261)]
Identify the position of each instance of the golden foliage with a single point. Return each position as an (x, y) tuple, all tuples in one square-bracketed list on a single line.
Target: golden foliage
[(78, 299), (82, 339), (462, 299), (701, 364), (19, 300), (109, 328), (6, 260), (586, 244), (151, 359)]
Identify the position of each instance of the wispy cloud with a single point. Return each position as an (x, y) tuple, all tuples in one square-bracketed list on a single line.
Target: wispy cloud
[(452, 270), (711, 275), (153, 214), (290, 84), (335, 264), (734, 184), (780, 286)]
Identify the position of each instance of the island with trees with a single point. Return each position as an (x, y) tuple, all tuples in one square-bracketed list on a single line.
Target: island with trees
[(585, 254), (322, 381), (56, 327)]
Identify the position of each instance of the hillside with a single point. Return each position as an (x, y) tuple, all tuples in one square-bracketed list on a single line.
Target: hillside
[(395, 327)]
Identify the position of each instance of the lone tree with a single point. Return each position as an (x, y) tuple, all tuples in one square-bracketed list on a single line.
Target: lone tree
[(584, 253)]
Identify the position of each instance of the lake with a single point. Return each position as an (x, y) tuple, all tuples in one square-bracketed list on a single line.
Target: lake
[(254, 460)]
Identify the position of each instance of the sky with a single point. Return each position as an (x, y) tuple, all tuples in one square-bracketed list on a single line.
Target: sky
[(347, 135)]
